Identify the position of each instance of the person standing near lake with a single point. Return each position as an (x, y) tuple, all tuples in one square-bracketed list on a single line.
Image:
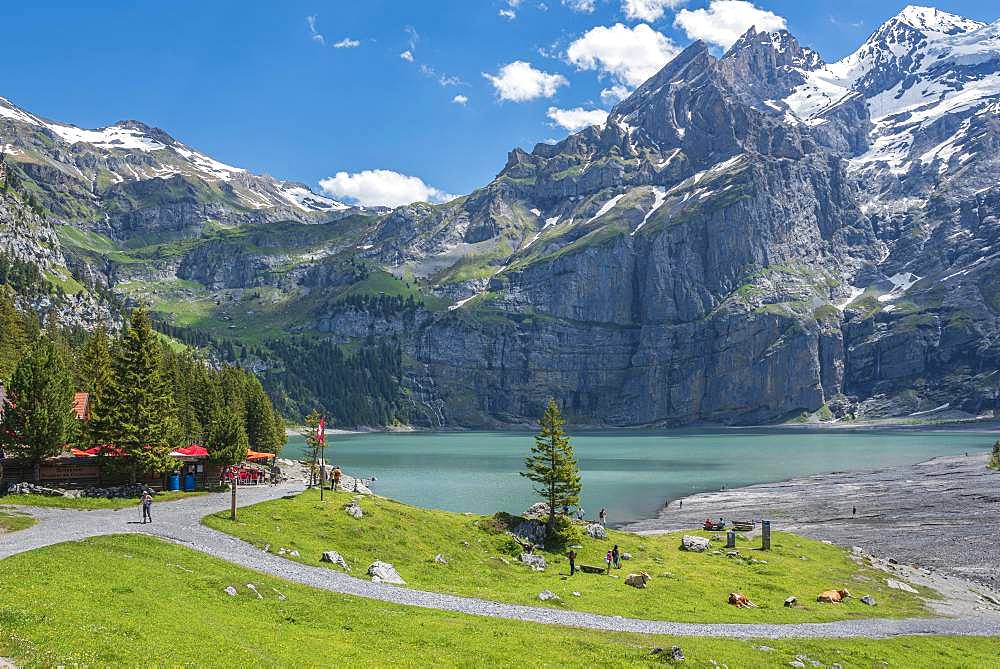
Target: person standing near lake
[(580, 513), (603, 517), (147, 505), (616, 557), (336, 477), (572, 561), (608, 558)]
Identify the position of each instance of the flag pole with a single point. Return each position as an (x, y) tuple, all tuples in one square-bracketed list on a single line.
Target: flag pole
[(321, 437)]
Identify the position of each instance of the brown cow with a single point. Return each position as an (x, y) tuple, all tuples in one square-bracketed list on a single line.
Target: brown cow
[(739, 600), (833, 596)]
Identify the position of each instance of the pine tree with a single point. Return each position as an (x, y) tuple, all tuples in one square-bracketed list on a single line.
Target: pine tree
[(140, 411), (13, 339), (227, 441), (96, 377), (39, 420), (552, 465), (260, 418)]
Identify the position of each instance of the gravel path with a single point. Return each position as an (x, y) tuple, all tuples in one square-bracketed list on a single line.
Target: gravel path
[(179, 522)]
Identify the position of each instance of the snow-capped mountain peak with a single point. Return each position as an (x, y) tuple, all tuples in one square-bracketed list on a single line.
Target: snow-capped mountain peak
[(932, 20), (133, 151)]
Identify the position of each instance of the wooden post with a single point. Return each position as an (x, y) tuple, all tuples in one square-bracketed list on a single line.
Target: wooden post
[(731, 539), (232, 511), (765, 535)]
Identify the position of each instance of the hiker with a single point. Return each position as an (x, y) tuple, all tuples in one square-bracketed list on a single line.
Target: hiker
[(854, 511), (580, 513), (147, 504), (336, 477), (616, 557), (609, 558), (681, 503), (572, 561), (603, 516)]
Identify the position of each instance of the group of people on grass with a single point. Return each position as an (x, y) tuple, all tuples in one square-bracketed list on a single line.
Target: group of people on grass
[(613, 558)]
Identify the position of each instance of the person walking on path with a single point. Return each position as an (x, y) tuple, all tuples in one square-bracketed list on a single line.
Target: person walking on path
[(572, 561), (603, 517), (147, 505), (336, 477), (608, 558), (616, 557)]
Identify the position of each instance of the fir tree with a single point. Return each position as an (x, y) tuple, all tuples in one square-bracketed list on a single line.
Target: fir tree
[(551, 466), (39, 419), (260, 419), (140, 410), (96, 377), (227, 441), (13, 338)]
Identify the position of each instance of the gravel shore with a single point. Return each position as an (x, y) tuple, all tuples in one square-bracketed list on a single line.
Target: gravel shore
[(942, 514)]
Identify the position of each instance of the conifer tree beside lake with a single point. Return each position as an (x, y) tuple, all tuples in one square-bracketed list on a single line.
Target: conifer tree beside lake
[(140, 408), (38, 420), (551, 466)]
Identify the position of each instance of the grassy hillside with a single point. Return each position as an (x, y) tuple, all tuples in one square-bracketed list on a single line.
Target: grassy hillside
[(137, 601), (483, 562)]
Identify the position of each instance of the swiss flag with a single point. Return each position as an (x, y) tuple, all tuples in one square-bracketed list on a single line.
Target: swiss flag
[(321, 431)]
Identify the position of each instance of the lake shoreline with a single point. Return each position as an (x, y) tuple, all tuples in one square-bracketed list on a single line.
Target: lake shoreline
[(956, 496)]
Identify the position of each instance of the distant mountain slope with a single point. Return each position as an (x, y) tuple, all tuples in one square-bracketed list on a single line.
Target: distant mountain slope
[(755, 237), (131, 179)]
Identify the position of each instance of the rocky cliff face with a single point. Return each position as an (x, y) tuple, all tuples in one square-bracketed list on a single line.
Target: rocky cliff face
[(746, 239)]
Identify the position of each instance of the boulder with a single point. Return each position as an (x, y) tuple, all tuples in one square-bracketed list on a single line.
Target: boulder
[(333, 557), (899, 585), (537, 510), (869, 600), (790, 602), (587, 569), (692, 543), (530, 530), (548, 595), (676, 654), (26, 488), (354, 510), (597, 531), (626, 556), (536, 562), (440, 559), (637, 580), (383, 572), (230, 590)]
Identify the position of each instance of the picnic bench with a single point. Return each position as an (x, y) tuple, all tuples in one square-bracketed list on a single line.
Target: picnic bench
[(744, 525)]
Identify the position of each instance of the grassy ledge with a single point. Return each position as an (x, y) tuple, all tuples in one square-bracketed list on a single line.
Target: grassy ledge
[(90, 502), (144, 602), (482, 562)]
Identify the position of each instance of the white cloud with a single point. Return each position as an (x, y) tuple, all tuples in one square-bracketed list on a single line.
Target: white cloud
[(460, 99), (631, 55), (724, 21), (407, 56), (582, 6), (346, 43), (648, 10), (381, 188), (508, 14), (413, 36), (578, 118), (614, 93), (314, 34), (520, 82), (442, 79)]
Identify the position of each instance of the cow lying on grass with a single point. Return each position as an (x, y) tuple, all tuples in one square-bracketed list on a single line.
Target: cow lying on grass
[(741, 601), (638, 580), (833, 596)]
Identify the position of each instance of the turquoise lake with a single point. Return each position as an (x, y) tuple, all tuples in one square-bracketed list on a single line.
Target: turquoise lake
[(630, 473)]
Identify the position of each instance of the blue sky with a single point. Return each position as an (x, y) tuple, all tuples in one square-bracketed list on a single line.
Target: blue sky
[(263, 86)]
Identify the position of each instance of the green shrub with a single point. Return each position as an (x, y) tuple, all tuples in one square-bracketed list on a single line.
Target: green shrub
[(564, 533)]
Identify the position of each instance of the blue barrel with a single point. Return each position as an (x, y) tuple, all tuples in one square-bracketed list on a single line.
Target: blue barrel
[(189, 482), (174, 482)]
